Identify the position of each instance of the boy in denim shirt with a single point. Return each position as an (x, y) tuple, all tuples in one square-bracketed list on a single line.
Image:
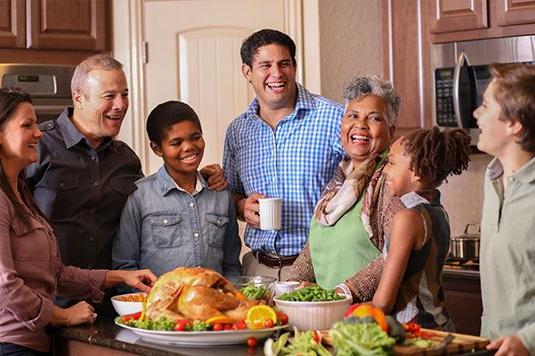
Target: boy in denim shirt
[(172, 219)]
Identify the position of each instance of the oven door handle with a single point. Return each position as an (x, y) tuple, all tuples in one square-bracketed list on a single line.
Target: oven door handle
[(461, 61)]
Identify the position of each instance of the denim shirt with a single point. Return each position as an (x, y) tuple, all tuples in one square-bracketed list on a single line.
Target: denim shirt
[(163, 227)]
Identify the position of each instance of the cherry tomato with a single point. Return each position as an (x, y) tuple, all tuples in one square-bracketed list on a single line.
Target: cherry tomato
[(425, 335), (181, 325), (268, 324), (316, 336), (217, 327), (283, 318), (412, 327), (227, 327), (239, 325), (126, 318), (251, 342), (135, 316)]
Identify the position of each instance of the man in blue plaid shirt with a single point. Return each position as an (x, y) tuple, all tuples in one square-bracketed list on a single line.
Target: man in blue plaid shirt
[(286, 145)]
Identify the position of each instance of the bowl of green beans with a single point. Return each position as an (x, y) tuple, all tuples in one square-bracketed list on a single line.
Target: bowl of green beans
[(312, 307), (256, 288)]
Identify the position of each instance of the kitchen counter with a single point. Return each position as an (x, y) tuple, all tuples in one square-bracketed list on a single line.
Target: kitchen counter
[(461, 273), (104, 338), (463, 299)]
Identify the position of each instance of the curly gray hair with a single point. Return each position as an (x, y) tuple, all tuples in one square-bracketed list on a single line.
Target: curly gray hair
[(359, 87)]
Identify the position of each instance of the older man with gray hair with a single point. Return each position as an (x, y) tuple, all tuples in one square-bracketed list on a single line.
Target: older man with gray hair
[(84, 175)]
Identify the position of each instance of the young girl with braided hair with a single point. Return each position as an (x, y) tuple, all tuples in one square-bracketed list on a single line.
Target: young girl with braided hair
[(410, 287)]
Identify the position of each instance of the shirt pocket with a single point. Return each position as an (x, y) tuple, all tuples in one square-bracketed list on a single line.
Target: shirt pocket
[(61, 183), (30, 243), (122, 186), (217, 226), (167, 230)]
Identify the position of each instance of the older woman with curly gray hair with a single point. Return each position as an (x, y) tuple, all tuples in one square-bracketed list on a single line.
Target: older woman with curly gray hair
[(351, 219)]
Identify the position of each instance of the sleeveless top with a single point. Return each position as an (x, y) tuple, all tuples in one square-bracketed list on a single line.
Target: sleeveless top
[(421, 295)]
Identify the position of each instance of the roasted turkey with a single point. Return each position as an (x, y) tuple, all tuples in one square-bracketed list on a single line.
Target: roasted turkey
[(195, 294)]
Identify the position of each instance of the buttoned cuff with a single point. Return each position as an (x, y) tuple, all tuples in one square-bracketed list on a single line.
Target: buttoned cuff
[(96, 284), (43, 318)]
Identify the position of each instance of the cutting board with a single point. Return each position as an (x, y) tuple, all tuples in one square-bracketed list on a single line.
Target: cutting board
[(461, 343)]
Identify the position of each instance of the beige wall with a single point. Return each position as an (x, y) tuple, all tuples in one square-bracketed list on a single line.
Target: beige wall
[(350, 42), (350, 45), (462, 196)]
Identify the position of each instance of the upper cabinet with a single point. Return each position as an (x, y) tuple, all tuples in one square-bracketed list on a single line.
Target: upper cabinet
[(54, 24), (459, 15), (515, 12), (406, 61), (461, 20), (12, 24)]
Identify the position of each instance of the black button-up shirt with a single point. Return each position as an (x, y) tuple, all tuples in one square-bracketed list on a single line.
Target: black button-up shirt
[(82, 190)]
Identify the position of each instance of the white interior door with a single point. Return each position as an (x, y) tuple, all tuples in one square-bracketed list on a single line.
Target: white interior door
[(193, 56)]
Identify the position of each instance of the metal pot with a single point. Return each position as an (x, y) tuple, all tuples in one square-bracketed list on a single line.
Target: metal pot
[(466, 246)]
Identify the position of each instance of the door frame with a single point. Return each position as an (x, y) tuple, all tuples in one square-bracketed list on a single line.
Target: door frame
[(128, 41)]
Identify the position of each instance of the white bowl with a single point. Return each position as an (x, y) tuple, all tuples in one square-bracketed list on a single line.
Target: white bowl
[(126, 307), (314, 315)]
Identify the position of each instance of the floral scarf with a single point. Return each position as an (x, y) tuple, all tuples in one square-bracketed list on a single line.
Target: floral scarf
[(347, 186)]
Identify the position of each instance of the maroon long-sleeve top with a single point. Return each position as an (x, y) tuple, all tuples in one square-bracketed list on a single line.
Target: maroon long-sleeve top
[(31, 273)]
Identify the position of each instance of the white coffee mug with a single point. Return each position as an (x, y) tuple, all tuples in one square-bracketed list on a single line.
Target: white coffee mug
[(270, 213)]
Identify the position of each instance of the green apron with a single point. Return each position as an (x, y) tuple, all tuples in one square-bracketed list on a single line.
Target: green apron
[(341, 250)]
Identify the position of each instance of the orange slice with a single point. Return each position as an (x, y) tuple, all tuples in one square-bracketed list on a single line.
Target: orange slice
[(220, 319), (257, 316)]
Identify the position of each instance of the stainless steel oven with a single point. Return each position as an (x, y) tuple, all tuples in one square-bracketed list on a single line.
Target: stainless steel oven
[(461, 75), (49, 86)]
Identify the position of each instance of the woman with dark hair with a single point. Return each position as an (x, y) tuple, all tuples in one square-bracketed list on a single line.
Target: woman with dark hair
[(31, 270)]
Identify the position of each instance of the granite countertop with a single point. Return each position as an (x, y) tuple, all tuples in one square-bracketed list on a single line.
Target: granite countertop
[(105, 333), (457, 272)]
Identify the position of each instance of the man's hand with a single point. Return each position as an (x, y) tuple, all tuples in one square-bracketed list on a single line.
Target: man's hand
[(213, 174), (249, 208), (142, 279), (508, 346)]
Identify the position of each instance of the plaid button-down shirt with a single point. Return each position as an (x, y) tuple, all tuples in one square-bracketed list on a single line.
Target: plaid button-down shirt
[(294, 161)]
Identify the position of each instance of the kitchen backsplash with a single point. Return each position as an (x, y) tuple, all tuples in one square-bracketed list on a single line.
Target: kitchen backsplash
[(462, 196)]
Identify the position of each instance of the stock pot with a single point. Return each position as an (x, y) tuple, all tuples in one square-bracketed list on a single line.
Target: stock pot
[(466, 246)]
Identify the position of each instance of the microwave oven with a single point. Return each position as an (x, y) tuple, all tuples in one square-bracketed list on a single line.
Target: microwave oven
[(461, 75), (458, 92)]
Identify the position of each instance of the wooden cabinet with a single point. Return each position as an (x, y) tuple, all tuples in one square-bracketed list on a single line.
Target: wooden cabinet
[(406, 62), (463, 300), (514, 12), (12, 24), (459, 15), (54, 24), (461, 20)]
